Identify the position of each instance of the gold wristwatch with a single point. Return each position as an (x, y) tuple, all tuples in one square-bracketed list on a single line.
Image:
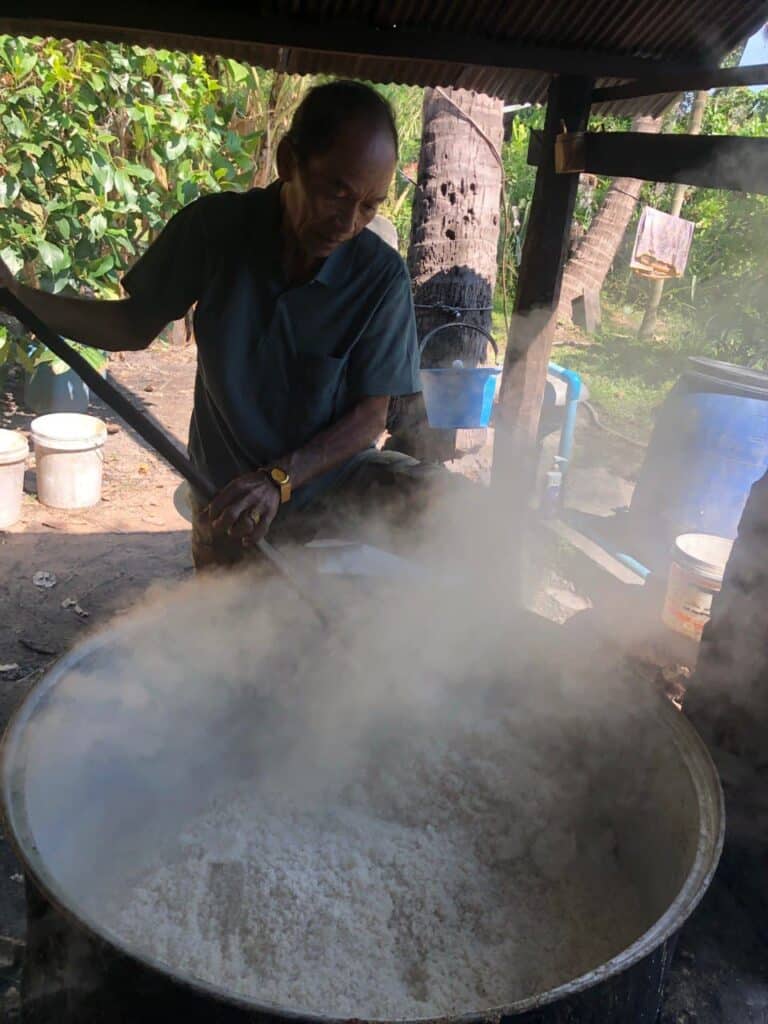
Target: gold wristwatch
[(282, 481)]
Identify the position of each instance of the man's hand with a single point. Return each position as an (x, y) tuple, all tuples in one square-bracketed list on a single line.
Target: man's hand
[(246, 508)]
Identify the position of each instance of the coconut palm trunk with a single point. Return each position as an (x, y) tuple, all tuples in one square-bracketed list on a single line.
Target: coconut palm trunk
[(454, 246), (586, 271)]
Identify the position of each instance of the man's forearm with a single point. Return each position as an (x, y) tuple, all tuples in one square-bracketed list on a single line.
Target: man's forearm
[(353, 433), (115, 325)]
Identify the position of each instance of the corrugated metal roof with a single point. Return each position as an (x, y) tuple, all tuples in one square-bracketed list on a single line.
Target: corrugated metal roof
[(465, 43)]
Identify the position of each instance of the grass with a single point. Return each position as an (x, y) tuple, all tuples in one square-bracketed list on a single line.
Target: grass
[(627, 379)]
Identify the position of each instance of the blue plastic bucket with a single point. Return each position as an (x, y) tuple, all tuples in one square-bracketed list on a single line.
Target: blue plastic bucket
[(459, 398), (709, 446)]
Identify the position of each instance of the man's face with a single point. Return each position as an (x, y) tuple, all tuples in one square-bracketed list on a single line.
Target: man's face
[(332, 197)]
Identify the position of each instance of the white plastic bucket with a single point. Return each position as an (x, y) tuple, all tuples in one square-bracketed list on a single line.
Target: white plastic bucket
[(13, 456), (695, 576), (69, 457)]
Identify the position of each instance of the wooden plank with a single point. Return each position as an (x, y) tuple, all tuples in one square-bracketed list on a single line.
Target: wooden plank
[(236, 29), (587, 311), (707, 161), (709, 78), (597, 559), (533, 322)]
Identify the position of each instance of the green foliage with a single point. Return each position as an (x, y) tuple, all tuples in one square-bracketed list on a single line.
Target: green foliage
[(720, 306), (519, 178), (100, 144), (725, 290), (406, 102), (28, 353)]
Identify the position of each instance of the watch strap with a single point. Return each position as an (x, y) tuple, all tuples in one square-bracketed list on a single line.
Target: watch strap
[(281, 478)]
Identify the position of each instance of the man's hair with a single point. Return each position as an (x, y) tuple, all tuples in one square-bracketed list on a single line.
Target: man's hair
[(326, 108)]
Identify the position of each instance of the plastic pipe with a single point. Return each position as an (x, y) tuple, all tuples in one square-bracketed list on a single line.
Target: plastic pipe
[(572, 395), (565, 450), (621, 556)]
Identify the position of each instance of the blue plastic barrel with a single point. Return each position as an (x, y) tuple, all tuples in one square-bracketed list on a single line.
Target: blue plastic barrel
[(46, 391), (709, 445)]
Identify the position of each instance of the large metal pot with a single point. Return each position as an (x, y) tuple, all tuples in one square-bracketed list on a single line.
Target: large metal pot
[(93, 775)]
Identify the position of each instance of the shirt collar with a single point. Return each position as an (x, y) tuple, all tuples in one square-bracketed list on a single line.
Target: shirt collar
[(336, 268)]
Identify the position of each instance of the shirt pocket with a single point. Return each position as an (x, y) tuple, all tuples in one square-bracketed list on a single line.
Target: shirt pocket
[(322, 383)]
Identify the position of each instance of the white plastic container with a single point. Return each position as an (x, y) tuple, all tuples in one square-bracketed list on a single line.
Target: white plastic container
[(695, 576), (13, 456), (69, 456)]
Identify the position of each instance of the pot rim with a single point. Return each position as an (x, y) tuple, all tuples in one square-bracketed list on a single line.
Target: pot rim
[(689, 744)]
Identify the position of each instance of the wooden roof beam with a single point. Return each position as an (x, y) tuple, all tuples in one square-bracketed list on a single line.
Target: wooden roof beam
[(223, 26), (711, 78), (707, 161)]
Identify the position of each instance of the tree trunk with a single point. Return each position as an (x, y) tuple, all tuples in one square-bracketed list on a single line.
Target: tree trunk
[(285, 94), (586, 271), (454, 244), (263, 170), (648, 326)]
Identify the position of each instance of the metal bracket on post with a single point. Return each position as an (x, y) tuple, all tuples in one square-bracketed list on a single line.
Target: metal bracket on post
[(570, 152)]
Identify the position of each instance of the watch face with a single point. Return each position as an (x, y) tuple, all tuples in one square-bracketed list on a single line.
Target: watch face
[(279, 475)]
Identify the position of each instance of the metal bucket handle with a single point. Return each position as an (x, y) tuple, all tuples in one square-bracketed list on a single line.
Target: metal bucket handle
[(472, 327)]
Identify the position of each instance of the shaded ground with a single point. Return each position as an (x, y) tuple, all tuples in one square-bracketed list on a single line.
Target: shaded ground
[(718, 975), (105, 558)]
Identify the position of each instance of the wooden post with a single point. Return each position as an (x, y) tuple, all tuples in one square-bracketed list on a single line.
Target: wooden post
[(538, 291)]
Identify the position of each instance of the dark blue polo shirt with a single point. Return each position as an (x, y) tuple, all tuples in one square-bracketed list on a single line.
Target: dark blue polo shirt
[(276, 364)]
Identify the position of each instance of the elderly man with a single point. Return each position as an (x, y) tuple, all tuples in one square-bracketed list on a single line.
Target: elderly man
[(304, 325)]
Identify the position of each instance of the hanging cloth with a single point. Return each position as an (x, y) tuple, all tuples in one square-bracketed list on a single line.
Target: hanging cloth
[(662, 244)]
